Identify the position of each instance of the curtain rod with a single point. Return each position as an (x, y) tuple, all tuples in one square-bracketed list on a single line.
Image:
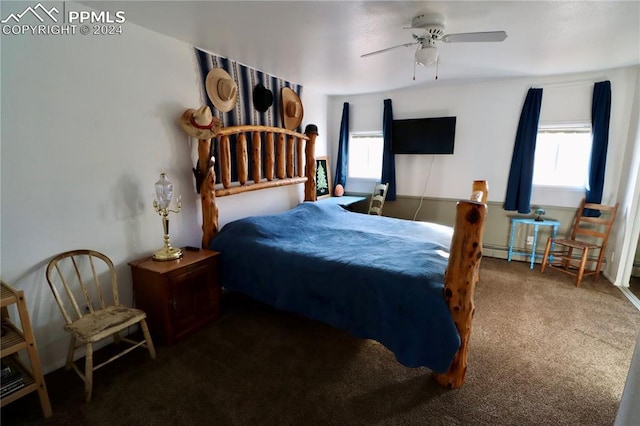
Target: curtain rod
[(572, 83)]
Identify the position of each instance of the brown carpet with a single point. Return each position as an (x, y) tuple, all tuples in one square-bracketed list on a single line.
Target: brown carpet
[(543, 352)]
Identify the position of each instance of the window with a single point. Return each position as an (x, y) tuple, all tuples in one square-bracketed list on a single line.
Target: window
[(365, 155), (562, 155)]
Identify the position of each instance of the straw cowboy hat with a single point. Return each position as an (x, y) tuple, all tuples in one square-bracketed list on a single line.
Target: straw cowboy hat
[(262, 97), (292, 111), (200, 123), (222, 89)]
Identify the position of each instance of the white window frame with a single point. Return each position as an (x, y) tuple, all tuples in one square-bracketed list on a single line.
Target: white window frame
[(560, 195), (352, 137)]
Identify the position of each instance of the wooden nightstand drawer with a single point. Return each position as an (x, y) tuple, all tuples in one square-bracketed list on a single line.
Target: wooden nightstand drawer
[(179, 296)]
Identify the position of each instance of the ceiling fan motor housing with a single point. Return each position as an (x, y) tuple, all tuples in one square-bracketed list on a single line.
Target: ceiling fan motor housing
[(431, 23)]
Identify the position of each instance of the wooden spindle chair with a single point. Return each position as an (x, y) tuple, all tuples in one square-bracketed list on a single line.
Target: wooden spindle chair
[(85, 286)]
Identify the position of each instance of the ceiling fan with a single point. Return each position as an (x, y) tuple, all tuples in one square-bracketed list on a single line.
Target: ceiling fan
[(429, 29)]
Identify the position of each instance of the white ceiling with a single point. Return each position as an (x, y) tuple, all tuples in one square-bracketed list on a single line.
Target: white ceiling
[(318, 43)]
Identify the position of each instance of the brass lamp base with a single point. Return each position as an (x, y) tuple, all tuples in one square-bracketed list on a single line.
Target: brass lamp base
[(167, 253)]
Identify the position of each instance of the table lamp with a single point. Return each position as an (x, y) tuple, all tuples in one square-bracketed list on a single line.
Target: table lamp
[(164, 194)]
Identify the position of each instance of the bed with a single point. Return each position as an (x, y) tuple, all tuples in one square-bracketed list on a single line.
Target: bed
[(377, 277)]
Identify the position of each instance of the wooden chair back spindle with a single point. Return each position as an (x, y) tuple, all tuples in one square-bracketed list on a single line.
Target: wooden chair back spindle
[(70, 275)]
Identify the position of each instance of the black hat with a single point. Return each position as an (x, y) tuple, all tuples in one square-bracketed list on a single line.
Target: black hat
[(262, 97), (311, 128)]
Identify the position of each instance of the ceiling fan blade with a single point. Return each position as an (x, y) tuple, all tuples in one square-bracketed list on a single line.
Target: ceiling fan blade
[(389, 48), (488, 36)]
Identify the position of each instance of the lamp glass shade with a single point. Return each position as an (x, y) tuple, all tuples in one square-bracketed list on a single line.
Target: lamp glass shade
[(164, 191), (427, 55)]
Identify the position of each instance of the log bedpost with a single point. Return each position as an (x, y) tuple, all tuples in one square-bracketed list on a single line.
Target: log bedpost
[(207, 189), (461, 277), (204, 158), (209, 208), (310, 169), (479, 191)]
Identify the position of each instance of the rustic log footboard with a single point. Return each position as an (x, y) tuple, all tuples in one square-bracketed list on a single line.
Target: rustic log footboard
[(289, 159)]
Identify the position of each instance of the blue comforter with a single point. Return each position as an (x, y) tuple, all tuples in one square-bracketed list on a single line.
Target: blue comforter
[(379, 278)]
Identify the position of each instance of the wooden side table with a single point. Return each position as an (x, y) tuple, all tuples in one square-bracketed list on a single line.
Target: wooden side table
[(554, 224), (179, 296)]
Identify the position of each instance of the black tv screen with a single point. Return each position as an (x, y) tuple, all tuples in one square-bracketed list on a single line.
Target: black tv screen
[(424, 135)]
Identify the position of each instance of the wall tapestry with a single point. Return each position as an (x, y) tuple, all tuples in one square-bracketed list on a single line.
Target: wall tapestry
[(245, 110), (247, 79)]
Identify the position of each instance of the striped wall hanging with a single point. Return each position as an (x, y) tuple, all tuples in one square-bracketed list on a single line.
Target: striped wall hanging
[(244, 111)]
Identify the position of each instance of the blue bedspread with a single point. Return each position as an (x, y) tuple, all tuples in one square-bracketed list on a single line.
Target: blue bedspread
[(376, 277)]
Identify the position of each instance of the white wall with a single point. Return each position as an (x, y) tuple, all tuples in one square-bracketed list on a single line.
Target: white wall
[(88, 123), (487, 118), (629, 197)]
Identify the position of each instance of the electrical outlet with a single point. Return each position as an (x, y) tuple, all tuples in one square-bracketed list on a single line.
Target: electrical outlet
[(529, 240)]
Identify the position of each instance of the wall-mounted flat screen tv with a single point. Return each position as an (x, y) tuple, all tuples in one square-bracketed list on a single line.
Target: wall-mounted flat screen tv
[(424, 135)]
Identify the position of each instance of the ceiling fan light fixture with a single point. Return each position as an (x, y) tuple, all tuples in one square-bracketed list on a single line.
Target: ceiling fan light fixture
[(426, 55)]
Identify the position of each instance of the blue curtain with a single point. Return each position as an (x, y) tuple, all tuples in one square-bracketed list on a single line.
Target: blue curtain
[(600, 115), (388, 159), (521, 173), (343, 149)]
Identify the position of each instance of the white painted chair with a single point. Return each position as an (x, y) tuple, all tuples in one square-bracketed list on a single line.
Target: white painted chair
[(92, 312), (378, 197)]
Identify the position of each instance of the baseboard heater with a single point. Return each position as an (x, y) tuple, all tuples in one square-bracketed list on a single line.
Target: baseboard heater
[(539, 253)]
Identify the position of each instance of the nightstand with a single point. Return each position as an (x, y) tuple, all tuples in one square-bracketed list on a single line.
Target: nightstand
[(179, 296)]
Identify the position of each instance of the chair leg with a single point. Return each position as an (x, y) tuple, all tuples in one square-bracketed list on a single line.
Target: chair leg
[(88, 372), (583, 263), (70, 352), (567, 260), (599, 264), (545, 257), (147, 337)]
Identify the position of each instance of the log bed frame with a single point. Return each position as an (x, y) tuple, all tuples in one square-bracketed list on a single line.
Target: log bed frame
[(289, 159)]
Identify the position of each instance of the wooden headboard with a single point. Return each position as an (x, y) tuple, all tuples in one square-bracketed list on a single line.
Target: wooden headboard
[(288, 159)]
